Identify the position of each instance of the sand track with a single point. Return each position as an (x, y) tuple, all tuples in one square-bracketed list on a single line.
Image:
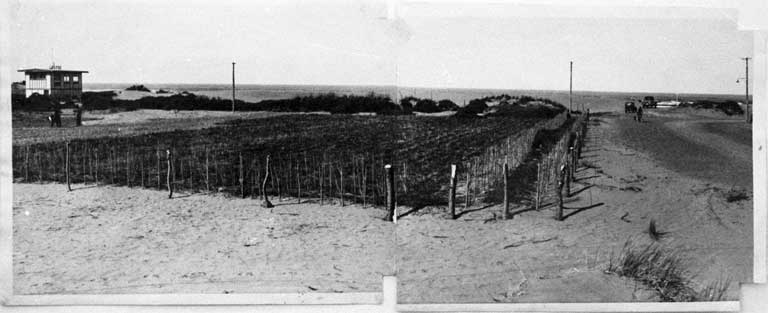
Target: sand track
[(534, 258)]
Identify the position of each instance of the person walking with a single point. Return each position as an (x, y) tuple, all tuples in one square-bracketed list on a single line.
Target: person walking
[(639, 114)]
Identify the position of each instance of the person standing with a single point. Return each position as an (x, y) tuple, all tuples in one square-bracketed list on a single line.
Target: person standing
[(56, 116), (78, 113), (640, 114)]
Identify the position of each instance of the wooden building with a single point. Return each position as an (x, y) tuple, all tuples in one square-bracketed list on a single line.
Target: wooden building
[(54, 82)]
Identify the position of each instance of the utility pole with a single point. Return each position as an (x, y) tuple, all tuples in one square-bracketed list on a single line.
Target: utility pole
[(233, 87), (570, 92), (746, 89)]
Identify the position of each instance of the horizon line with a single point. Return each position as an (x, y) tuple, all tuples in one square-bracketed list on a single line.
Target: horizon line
[(431, 87)]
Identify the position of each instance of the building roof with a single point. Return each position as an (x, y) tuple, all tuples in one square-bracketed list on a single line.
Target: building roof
[(45, 70)]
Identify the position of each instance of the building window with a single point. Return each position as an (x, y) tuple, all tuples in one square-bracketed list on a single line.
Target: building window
[(66, 78), (75, 78)]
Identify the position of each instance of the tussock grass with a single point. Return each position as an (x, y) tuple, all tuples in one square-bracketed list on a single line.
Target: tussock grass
[(661, 270), (664, 271), (715, 290)]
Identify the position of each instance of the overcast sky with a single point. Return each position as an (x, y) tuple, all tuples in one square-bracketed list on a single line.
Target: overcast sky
[(352, 43)]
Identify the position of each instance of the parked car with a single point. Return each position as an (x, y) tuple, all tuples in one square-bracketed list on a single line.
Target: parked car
[(629, 107), (649, 102)]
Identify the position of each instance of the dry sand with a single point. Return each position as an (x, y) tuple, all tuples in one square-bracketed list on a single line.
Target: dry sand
[(126, 240), (533, 258)]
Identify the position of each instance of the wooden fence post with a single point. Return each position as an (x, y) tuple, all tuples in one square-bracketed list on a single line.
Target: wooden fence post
[(306, 172), (127, 167), (170, 170), (39, 168), (83, 163), (466, 194), (181, 170), (112, 164), (207, 181), (365, 181), (266, 202), (560, 183), (572, 156), (452, 193), (26, 165), (330, 182), (141, 164), (354, 179), (568, 177), (157, 154), (276, 182), (241, 179), (538, 186), (69, 187), (189, 180), (505, 174), (341, 185), (276, 175), (298, 181), (90, 163), (97, 165), (322, 171), (390, 193), (254, 181)]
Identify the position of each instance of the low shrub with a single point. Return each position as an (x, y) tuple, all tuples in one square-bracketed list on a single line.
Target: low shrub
[(336, 104), (447, 105), (426, 106), (138, 88), (728, 107), (506, 105), (735, 195)]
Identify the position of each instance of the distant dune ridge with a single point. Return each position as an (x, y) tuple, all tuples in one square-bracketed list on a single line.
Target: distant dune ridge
[(596, 101)]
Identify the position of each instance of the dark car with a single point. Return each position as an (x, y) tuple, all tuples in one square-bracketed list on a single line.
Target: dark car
[(629, 107), (649, 102)]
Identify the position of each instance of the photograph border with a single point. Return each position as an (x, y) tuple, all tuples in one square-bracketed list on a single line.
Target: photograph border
[(749, 16)]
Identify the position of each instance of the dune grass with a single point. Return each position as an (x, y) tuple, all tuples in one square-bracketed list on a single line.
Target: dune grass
[(665, 272)]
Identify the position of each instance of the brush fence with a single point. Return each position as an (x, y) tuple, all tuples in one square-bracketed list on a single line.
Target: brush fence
[(326, 177)]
